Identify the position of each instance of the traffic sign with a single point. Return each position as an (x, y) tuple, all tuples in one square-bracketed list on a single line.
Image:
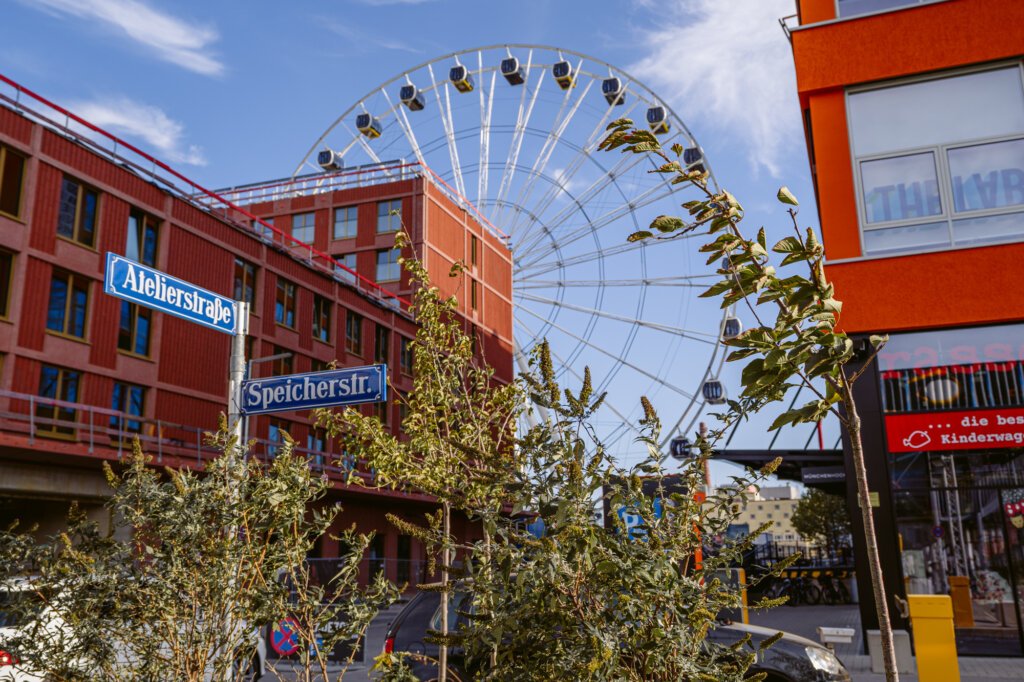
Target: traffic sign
[(147, 286), (349, 386), (284, 637)]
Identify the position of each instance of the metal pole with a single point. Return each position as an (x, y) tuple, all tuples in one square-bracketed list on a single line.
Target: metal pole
[(237, 371)]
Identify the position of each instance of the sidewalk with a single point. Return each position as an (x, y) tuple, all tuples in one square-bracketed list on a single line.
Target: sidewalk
[(805, 621)]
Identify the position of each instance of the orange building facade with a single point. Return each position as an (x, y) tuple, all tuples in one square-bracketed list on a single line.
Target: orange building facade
[(83, 373), (914, 118)]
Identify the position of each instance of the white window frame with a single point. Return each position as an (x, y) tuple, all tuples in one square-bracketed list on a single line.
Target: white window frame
[(943, 176)]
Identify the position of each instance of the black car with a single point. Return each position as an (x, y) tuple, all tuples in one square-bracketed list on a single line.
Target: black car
[(791, 659)]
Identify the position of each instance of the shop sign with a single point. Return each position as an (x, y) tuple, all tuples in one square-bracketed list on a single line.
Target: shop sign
[(957, 430)]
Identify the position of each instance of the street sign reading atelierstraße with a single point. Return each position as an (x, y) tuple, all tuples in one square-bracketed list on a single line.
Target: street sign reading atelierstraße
[(146, 286), (349, 386)]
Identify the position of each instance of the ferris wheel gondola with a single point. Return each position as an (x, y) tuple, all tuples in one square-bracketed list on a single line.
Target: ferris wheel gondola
[(510, 132)]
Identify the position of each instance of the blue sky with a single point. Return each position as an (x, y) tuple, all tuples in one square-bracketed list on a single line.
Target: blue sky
[(231, 92)]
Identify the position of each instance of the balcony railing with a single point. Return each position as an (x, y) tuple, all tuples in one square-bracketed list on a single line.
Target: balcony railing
[(102, 431)]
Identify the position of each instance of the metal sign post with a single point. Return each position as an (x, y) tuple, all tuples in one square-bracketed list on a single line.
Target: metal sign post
[(236, 370)]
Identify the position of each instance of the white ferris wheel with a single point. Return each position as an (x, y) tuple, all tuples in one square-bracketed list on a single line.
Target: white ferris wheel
[(511, 132)]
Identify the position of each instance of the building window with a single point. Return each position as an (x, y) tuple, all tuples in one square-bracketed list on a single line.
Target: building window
[(12, 172), (473, 295), (76, 214), (283, 365), (381, 344), (851, 8), (403, 411), (346, 222), (348, 272), (316, 443), (318, 365), (389, 216), (304, 227), (380, 410), (284, 306), (354, 333), (322, 319), (131, 400), (142, 238), (405, 356), (69, 302), (474, 248), (388, 269), (57, 383), (275, 434), (940, 163), (264, 229), (245, 281), (6, 273), (134, 332)]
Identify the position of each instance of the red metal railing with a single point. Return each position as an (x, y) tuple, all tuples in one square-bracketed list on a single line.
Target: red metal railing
[(152, 167)]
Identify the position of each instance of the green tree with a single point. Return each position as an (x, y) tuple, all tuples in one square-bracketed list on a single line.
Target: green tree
[(822, 519), (194, 563), (458, 435), (586, 602), (796, 340)]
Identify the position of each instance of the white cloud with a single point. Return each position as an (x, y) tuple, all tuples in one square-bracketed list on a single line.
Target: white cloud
[(171, 39), (729, 66), (123, 116), (360, 39)]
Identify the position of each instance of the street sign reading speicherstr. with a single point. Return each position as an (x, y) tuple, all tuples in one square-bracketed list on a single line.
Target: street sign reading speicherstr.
[(349, 386)]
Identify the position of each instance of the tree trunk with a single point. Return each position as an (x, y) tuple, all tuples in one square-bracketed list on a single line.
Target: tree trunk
[(446, 512), (874, 563)]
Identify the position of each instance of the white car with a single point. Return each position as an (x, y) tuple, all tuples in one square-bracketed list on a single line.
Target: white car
[(12, 669)]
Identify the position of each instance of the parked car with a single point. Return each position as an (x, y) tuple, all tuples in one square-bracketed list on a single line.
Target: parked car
[(13, 669), (790, 659)]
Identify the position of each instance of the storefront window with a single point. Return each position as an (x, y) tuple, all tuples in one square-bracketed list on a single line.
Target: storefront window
[(953, 402)]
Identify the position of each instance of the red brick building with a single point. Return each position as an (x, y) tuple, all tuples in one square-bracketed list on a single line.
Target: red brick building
[(82, 372)]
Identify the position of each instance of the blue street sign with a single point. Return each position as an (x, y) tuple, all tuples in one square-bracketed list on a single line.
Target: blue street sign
[(146, 286), (349, 386)]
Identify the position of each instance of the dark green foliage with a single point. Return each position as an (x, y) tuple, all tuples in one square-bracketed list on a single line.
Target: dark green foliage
[(194, 563), (823, 519)]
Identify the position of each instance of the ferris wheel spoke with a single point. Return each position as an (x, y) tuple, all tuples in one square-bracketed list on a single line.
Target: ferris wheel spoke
[(625, 165), (485, 133), (449, 130), (522, 124), (584, 153), (680, 281), (541, 267), (592, 228), (403, 123), (623, 419), (702, 337), (617, 358), (558, 128)]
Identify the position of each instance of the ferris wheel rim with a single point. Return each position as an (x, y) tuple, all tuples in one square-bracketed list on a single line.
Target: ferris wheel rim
[(395, 118)]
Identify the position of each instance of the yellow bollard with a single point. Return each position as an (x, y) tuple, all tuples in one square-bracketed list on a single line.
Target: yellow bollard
[(931, 618)]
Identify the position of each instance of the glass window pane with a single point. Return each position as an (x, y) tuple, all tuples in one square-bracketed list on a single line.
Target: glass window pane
[(142, 331), (989, 229), (88, 224), (66, 208), (6, 263), (944, 111), (850, 8), (900, 188), (987, 176), (149, 243), (908, 238), (10, 182), (58, 303)]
